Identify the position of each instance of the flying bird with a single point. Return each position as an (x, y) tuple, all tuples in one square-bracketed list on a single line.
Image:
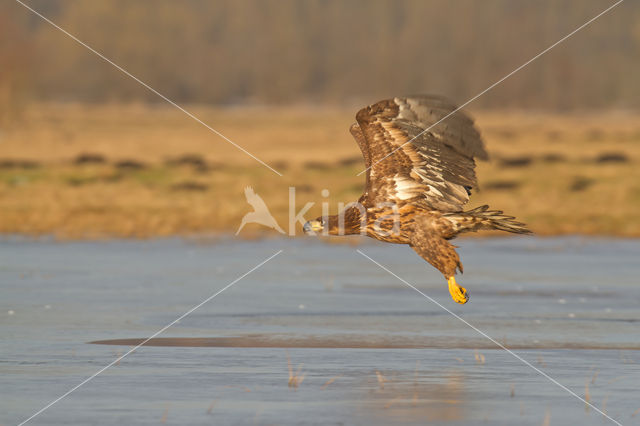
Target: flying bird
[(260, 213), (419, 175)]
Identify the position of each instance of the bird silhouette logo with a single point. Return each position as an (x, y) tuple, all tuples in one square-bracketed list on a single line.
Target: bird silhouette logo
[(260, 213)]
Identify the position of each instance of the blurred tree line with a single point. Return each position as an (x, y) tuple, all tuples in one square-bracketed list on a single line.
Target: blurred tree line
[(323, 51)]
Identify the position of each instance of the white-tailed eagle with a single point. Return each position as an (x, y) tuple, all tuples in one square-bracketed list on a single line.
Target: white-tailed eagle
[(418, 182)]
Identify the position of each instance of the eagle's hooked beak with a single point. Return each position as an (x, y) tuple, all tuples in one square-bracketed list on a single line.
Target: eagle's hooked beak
[(312, 227)]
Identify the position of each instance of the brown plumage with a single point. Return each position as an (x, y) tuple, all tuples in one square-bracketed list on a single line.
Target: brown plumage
[(419, 176)]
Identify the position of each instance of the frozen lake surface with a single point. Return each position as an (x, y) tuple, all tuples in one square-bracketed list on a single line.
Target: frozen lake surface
[(368, 348)]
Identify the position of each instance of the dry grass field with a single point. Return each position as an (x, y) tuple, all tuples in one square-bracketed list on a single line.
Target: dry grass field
[(81, 171)]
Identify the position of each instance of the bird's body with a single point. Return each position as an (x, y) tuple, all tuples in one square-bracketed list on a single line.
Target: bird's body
[(419, 155)]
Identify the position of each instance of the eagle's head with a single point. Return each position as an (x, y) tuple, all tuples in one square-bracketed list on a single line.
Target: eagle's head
[(316, 226), (348, 222)]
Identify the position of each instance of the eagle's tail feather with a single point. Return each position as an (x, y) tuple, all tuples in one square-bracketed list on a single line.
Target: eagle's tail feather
[(483, 218)]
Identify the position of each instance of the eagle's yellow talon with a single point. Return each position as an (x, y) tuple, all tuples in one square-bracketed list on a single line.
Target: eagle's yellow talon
[(458, 293)]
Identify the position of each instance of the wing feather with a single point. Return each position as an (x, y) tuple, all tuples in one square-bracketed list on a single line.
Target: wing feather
[(436, 168), (357, 134)]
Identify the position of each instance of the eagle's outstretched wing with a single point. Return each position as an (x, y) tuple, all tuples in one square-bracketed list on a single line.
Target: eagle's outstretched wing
[(436, 169)]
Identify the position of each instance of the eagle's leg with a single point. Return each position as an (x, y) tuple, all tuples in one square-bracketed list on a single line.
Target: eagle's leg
[(458, 293), (440, 253)]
